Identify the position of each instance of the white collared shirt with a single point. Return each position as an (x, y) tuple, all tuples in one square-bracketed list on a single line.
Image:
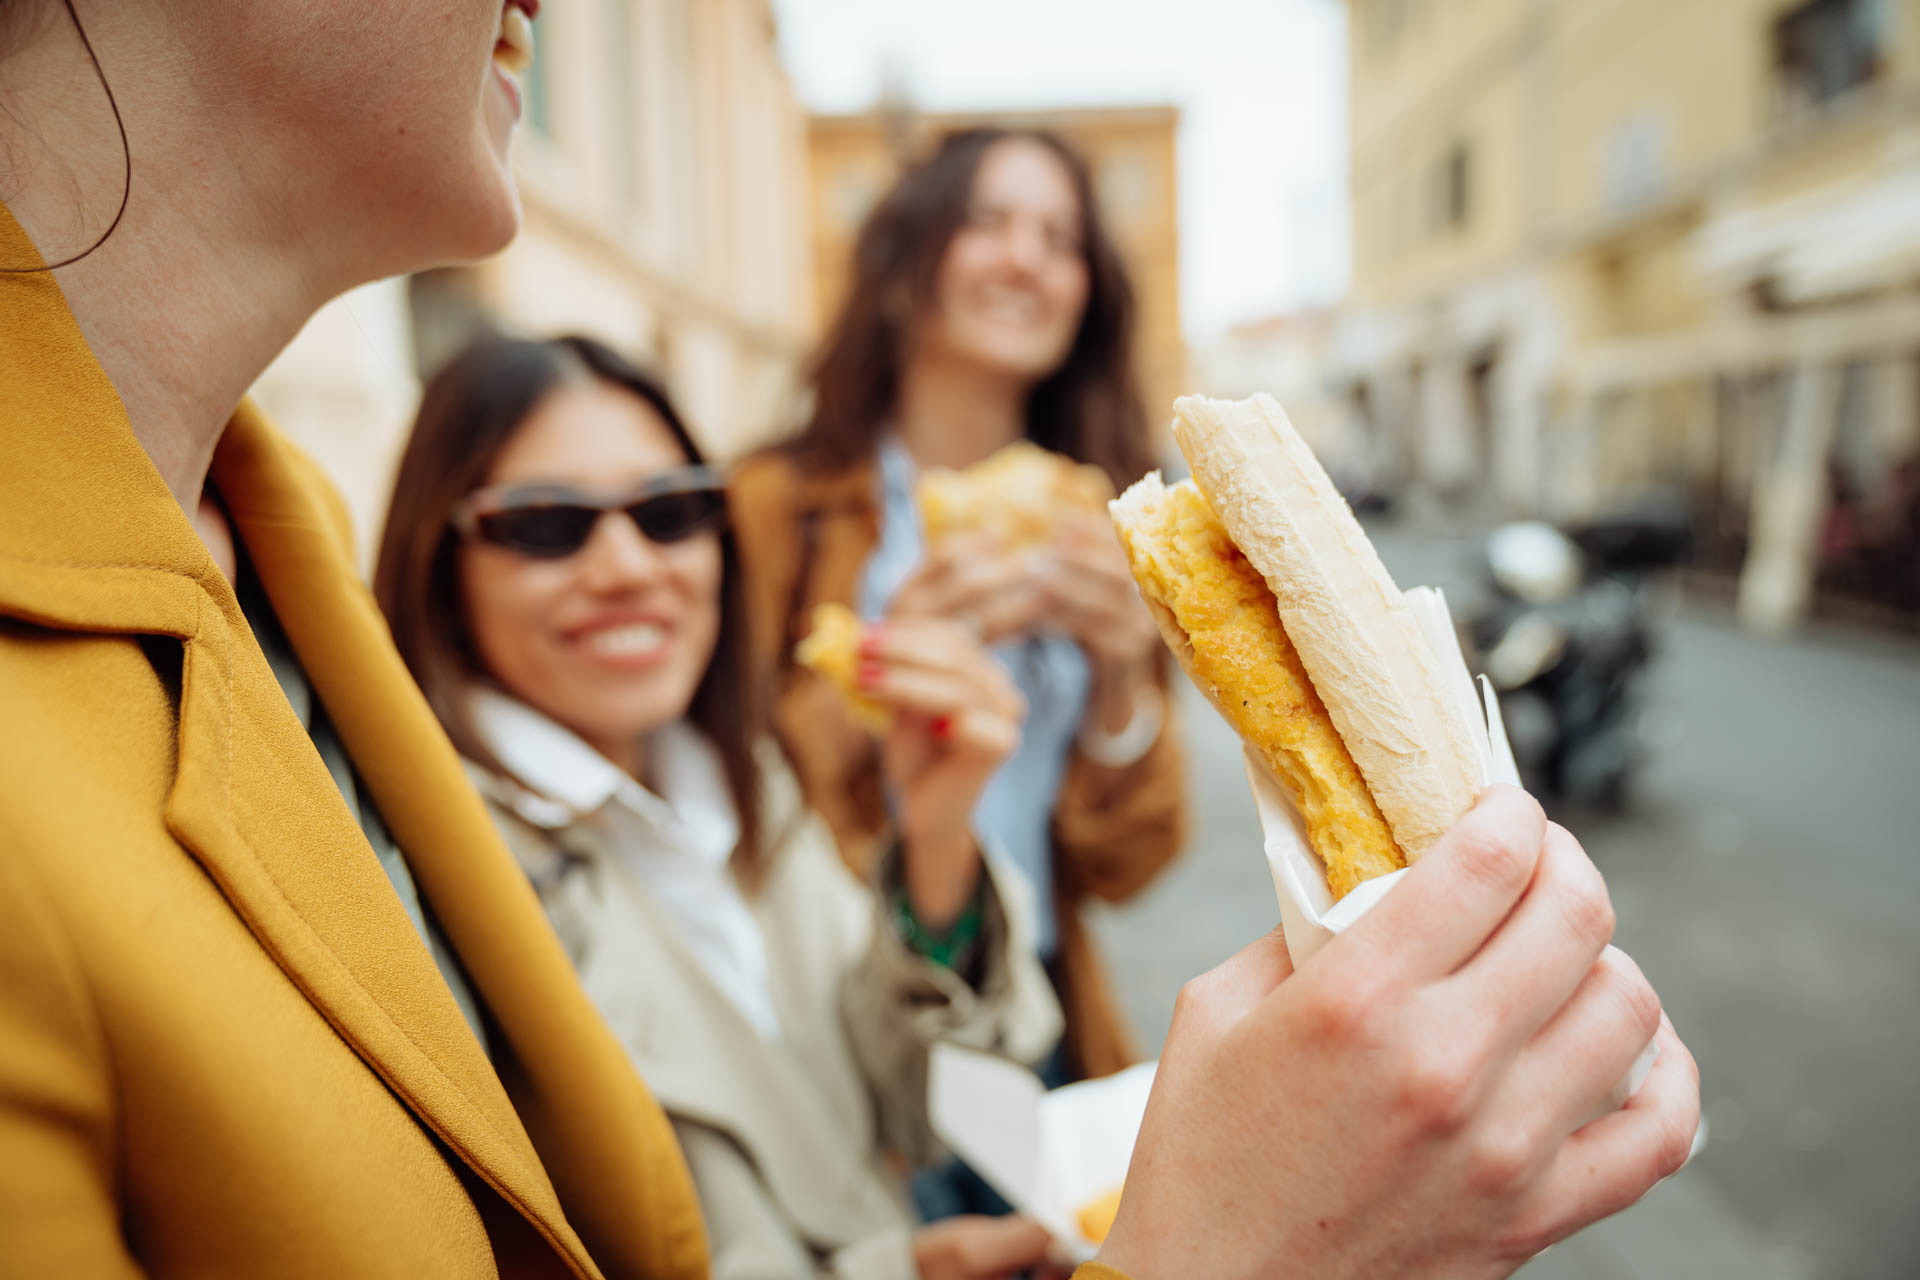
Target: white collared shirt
[(678, 842)]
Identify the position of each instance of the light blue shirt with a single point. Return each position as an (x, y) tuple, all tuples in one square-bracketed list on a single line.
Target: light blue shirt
[(1015, 813)]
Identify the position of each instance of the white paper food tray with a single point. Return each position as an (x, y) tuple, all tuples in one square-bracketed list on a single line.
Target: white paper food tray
[(1049, 1152)]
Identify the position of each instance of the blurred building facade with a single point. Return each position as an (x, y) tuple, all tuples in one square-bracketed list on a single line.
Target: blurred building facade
[(662, 166), (1603, 249), (1133, 152)]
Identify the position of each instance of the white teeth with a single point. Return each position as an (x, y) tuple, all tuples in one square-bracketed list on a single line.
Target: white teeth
[(1016, 304), (513, 48), (627, 641)]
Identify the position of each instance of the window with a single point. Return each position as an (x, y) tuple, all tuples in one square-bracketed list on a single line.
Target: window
[(1823, 49)]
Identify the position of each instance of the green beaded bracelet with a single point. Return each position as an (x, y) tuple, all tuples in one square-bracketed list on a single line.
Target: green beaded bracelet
[(947, 947)]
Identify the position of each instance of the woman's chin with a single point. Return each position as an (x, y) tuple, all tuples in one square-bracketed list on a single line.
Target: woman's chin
[(484, 223)]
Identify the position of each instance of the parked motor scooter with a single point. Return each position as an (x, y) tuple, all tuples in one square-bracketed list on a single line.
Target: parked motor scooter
[(1565, 637)]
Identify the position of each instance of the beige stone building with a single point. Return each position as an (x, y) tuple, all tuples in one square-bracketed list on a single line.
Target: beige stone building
[(1133, 154), (662, 164), (1602, 247)]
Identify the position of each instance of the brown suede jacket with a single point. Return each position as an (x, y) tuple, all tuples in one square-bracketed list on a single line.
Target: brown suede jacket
[(804, 539)]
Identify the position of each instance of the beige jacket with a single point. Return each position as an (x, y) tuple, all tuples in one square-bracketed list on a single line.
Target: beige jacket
[(795, 1143)]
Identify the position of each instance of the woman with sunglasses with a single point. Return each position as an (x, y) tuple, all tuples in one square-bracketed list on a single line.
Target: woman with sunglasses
[(274, 997), (559, 576)]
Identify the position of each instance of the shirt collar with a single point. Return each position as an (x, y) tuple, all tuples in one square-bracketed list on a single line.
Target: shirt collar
[(898, 470), (692, 811)]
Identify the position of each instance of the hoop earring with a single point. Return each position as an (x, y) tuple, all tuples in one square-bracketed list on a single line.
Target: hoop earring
[(126, 182)]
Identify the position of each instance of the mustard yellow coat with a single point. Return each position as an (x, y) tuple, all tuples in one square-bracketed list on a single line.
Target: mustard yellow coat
[(224, 1050)]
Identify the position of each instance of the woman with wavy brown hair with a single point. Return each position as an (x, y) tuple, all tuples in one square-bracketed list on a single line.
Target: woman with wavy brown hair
[(988, 305)]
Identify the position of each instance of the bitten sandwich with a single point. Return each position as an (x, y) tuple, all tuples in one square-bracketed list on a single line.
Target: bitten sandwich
[(1279, 610), (832, 647)]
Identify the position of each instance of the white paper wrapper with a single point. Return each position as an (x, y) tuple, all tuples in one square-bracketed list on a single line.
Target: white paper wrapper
[(1308, 914), (1049, 1152)]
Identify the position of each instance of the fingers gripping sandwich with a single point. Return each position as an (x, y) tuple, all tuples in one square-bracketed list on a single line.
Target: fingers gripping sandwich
[(1278, 608)]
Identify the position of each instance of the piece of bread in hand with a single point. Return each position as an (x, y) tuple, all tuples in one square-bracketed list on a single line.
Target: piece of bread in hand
[(832, 647), (1095, 1219), (1015, 495), (1278, 607)]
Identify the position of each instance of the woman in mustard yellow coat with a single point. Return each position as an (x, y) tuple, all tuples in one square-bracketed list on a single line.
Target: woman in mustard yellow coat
[(241, 881), (274, 1000)]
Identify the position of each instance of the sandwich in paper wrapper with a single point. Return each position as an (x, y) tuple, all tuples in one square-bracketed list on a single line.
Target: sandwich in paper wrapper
[(1364, 735)]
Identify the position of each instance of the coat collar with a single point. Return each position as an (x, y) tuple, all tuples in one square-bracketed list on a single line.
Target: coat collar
[(92, 540), (702, 1057), (691, 812)]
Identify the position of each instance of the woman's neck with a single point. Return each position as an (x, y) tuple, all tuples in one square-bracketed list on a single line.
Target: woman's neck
[(203, 282), (630, 754), (953, 413)]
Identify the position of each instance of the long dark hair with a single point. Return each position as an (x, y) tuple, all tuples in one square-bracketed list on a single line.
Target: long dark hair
[(471, 408), (1088, 408)]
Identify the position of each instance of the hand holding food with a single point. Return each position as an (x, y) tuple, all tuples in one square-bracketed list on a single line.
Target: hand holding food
[(1088, 592), (956, 716), (977, 1248), (972, 578), (1411, 1103)]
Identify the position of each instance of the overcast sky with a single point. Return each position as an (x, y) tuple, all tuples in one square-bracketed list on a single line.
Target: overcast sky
[(1263, 83)]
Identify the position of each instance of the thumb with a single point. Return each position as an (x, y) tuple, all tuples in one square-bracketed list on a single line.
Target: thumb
[(1239, 984)]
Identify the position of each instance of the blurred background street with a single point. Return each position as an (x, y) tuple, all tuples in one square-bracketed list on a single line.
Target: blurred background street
[(1765, 877)]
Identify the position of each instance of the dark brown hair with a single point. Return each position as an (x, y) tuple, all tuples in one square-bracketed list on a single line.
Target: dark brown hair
[(471, 408), (1088, 408)]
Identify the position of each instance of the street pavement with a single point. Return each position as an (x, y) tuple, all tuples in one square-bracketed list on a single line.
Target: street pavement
[(1766, 876)]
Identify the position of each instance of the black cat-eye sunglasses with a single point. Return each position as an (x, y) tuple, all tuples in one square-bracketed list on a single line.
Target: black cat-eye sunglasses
[(550, 521)]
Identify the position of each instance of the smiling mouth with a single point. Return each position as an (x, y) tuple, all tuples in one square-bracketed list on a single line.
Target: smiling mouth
[(1016, 305), (635, 640)]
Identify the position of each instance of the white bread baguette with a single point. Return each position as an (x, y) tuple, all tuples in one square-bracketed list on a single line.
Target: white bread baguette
[(1221, 621), (1356, 637)]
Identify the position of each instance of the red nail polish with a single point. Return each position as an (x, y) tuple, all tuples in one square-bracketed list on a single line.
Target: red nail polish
[(868, 672), (870, 642), (943, 727)]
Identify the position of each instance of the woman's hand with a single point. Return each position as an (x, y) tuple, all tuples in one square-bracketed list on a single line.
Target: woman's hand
[(1416, 1100), (972, 579), (957, 715), (1087, 590), (976, 1248)]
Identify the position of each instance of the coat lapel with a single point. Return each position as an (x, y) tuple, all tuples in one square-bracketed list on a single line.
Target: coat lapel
[(92, 540), (570, 1083)]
